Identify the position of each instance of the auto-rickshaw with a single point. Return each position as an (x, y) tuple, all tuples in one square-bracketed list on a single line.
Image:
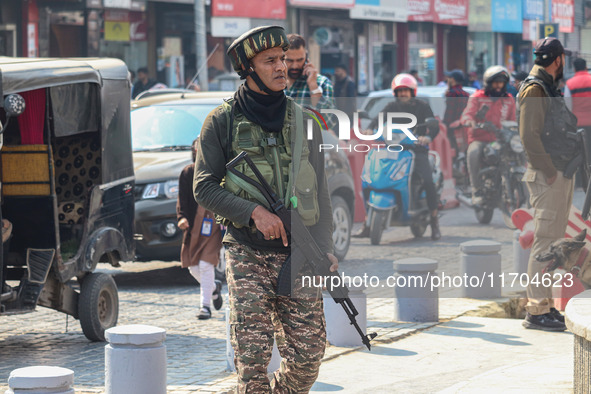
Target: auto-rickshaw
[(66, 180)]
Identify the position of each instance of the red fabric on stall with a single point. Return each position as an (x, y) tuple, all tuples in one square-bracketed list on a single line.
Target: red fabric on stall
[(31, 121)]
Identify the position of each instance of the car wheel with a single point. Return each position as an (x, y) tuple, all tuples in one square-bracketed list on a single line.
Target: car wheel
[(98, 305), (342, 223)]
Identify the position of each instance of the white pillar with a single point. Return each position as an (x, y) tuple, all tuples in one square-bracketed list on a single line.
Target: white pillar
[(480, 264), (415, 300), (41, 380), (274, 364), (135, 360), (339, 331)]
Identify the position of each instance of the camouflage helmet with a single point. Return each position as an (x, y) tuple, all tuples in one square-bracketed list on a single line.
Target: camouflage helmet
[(253, 42)]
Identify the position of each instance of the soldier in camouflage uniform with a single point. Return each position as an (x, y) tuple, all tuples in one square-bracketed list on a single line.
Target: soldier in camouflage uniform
[(261, 120)]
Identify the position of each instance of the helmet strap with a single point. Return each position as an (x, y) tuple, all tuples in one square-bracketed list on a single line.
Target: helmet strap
[(249, 72)]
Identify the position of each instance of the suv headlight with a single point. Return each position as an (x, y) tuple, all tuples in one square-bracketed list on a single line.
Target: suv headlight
[(168, 189), (516, 144)]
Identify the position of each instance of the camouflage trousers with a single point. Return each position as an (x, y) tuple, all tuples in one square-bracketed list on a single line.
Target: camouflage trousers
[(257, 315)]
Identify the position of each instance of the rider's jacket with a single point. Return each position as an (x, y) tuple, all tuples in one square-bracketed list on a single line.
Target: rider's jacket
[(500, 109)]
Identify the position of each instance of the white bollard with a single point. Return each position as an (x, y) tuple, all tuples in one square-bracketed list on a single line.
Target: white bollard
[(274, 364), (520, 255), (135, 360), (41, 380), (415, 300), (339, 331), (480, 264)]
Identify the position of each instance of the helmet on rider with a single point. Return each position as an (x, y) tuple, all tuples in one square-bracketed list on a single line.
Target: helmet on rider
[(405, 81), (495, 74)]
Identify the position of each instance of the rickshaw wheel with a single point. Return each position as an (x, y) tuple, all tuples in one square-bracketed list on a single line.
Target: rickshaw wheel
[(98, 305)]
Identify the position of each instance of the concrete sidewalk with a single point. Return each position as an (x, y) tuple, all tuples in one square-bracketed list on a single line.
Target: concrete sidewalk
[(464, 353)]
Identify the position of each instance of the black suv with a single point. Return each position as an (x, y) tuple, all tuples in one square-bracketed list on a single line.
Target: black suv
[(163, 128)]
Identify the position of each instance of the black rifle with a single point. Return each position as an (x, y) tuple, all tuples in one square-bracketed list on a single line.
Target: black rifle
[(309, 249)]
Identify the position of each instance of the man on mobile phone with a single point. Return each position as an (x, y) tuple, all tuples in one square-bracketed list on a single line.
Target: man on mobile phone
[(304, 84)]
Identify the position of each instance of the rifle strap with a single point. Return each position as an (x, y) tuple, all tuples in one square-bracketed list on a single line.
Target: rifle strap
[(297, 151)]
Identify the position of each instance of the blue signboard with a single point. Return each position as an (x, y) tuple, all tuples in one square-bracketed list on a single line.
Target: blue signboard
[(506, 16), (533, 9)]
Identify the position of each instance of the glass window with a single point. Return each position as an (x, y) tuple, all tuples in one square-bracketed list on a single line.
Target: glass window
[(170, 126)]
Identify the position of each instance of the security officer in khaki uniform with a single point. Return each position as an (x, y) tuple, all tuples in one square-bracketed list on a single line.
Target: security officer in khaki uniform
[(544, 125), (262, 121)]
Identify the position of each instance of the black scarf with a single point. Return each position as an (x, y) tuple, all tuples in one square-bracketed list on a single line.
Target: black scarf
[(268, 111)]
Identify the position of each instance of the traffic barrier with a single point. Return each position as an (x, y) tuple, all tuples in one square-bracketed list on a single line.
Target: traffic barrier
[(274, 364), (415, 300), (480, 263), (41, 379), (339, 331), (578, 320), (523, 219), (135, 360)]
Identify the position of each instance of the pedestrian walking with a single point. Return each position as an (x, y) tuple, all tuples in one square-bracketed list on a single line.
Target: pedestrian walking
[(544, 124), (202, 241), (143, 83), (261, 120), (345, 92), (456, 99)]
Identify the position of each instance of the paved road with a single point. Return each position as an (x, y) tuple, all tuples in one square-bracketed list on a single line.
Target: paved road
[(163, 295)]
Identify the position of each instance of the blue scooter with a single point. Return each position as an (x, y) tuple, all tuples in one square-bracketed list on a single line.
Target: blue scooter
[(396, 197)]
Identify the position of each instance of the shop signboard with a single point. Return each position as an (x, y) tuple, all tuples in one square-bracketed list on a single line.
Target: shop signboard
[(530, 30), (563, 13), (268, 9), (229, 27), (506, 16), (548, 30), (449, 12), (326, 3), (138, 26), (533, 9), (480, 16), (380, 10), (117, 25), (124, 4)]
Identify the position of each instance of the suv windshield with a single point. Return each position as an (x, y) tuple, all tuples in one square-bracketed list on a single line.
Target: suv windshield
[(167, 126)]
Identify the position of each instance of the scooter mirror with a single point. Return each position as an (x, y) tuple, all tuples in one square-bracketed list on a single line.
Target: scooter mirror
[(14, 105), (432, 123)]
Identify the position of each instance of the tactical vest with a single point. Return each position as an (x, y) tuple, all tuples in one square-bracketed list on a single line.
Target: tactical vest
[(559, 121), (287, 170)]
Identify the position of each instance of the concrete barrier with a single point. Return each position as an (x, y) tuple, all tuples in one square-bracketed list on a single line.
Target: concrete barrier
[(578, 321), (480, 264), (41, 380), (415, 300), (339, 331), (520, 255), (274, 364), (135, 360)]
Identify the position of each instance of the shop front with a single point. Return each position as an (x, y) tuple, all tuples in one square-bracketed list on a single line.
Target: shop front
[(437, 37)]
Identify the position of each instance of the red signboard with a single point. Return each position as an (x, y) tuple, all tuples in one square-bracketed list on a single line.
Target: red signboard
[(563, 13), (266, 9), (448, 12)]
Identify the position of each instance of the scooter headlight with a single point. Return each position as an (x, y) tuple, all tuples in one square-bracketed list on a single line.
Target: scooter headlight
[(516, 145)]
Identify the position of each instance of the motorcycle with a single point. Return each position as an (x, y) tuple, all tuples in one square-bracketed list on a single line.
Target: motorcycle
[(503, 164), (396, 196)]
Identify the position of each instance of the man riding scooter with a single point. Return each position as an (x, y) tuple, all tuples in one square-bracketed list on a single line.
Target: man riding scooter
[(404, 88), (501, 108)]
